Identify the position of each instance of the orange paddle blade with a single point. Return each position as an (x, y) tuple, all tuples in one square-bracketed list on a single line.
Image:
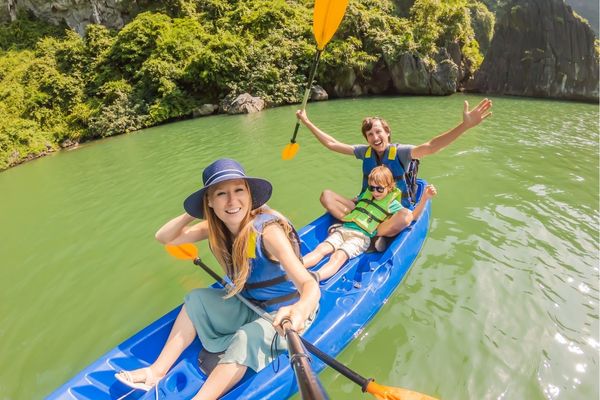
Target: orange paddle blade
[(394, 393), (289, 151), (327, 17), (186, 251)]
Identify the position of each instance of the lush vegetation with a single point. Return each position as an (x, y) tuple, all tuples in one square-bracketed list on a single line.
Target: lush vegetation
[(57, 88)]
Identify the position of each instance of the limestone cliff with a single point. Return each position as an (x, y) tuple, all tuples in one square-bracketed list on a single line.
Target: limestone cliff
[(540, 49), (77, 14), (408, 74)]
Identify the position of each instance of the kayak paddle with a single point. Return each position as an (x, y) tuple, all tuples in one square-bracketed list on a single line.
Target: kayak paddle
[(308, 384), (327, 17), (188, 251)]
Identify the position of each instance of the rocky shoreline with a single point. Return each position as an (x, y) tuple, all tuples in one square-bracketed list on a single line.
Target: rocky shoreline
[(557, 57)]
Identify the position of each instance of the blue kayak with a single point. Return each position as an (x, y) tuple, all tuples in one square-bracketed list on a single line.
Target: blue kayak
[(349, 300)]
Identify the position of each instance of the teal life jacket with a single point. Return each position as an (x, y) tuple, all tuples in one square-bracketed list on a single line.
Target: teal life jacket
[(405, 178), (369, 213), (268, 285)]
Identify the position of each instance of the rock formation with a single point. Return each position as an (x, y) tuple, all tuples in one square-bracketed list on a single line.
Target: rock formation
[(242, 104), (204, 110), (77, 14), (409, 74), (317, 93), (540, 49)]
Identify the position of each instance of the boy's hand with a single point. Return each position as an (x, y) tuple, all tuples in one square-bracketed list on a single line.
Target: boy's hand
[(430, 191)]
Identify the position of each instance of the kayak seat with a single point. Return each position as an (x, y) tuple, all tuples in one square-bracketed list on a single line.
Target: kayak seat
[(207, 361)]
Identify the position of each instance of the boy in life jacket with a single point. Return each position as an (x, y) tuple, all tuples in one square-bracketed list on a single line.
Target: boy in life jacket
[(380, 150), (352, 238)]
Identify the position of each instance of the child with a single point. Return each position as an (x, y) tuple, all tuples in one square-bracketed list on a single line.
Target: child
[(376, 204), (379, 150)]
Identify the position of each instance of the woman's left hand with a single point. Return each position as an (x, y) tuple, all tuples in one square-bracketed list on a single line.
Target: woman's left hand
[(291, 313)]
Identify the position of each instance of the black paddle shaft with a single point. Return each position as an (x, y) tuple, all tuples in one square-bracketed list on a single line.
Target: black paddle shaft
[(338, 366), (308, 385), (209, 271), (311, 77)]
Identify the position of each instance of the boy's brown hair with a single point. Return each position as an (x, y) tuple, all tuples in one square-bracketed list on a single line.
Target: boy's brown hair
[(382, 176), (367, 124)]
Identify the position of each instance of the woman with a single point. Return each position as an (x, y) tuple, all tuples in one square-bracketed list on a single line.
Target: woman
[(259, 251), (396, 157)]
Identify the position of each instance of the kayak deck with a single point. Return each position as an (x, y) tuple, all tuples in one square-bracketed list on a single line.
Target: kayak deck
[(349, 299)]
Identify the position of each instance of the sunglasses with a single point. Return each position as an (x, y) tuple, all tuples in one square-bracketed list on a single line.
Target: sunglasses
[(379, 189)]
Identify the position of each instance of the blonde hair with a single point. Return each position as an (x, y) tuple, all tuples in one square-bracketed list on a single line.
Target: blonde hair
[(232, 252), (382, 176)]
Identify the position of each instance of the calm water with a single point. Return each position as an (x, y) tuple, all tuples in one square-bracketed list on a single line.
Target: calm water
[(502, 302)]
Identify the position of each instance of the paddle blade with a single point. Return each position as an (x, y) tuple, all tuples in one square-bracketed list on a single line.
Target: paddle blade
[(289, 151), (186, 251), (327, 17), (393, 393)]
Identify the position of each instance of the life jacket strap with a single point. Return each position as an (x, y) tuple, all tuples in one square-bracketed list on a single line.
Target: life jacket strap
[(377, 206), (392, 152), (275, 300), (267, 283), (365, 211)]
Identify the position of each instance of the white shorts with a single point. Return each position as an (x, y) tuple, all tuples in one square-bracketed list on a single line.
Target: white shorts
[(350, 241)]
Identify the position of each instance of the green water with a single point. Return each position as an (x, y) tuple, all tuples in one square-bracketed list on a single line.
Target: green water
[(502, 302)]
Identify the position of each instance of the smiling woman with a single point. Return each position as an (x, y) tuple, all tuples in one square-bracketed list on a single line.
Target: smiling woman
[(256, 247)]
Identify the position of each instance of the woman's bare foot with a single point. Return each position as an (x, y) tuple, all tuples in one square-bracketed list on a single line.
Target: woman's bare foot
[(143, 378)]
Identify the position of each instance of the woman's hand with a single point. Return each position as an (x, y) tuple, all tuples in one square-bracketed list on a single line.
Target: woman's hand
[(178, 230), (292, 313)]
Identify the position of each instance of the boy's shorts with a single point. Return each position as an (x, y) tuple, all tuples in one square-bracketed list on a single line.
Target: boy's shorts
[(350, 241)]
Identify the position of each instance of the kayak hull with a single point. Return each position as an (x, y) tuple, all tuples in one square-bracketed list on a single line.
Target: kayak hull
[(349, 300)]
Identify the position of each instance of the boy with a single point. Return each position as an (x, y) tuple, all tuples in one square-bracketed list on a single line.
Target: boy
[(375, 205)]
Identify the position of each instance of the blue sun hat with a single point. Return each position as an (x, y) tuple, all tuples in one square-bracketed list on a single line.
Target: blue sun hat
[(223, 170)]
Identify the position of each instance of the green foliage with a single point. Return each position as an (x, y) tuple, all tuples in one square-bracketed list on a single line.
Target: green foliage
[(26, 31), (56, 86), (20, 139), (136, 42), (120, 116), (483, 22), (441, 23), (97, 42)]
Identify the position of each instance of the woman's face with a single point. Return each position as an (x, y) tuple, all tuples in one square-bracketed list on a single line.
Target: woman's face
[(377, 137), (231, 202)]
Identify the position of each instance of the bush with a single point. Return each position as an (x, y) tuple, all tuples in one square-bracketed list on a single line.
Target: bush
[(483, 22), (26, 31), (55, 85), (136, 42), (121, 116)]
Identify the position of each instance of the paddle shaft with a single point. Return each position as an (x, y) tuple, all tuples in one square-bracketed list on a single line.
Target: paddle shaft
[(326, 358), (338, 366), (309, 386), (313, 71)]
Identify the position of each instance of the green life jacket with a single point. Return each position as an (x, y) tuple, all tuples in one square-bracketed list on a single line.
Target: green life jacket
[(369, 213)]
